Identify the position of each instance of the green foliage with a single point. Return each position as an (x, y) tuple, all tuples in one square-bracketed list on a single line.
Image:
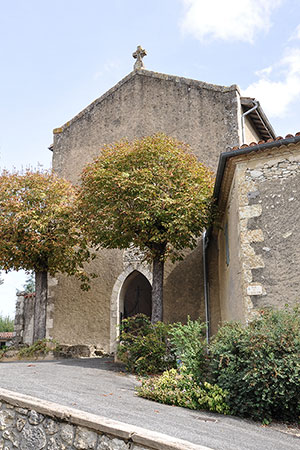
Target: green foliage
[(39, 348), (181, 389), (37, 227), (260, 365), (188, 342), (151, 193), (143, 346), (6, 323)]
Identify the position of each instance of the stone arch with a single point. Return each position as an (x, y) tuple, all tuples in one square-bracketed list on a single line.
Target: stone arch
[(116, 299), (135, 296)]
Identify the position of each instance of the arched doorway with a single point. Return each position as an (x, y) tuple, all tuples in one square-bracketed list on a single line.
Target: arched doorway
[(117, 297), (136, 296)]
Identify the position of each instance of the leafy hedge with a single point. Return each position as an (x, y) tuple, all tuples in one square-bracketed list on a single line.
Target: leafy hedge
[(259, 365), (144, 347), (181, 389), (253, 369), (189, 345)]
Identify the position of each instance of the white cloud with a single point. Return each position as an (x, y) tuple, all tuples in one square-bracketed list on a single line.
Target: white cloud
[(109, 67), (278, 85), (229, 20), (295, 34)]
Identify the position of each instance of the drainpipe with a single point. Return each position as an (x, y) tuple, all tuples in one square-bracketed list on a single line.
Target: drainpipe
[(256, 105), (205, 280)]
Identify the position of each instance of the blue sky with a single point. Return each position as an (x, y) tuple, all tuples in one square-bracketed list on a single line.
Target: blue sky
[(59, 55)]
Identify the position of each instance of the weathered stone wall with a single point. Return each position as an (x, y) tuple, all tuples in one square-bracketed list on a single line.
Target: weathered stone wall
[(277, 185), (32, 424), (80, 317), (266, 220), (183, 288), (24, 319), (203, 115), (230, 292)]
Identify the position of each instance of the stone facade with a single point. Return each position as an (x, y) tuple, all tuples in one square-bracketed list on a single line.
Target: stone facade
[(28, 423), (261, 213), (207, 117)]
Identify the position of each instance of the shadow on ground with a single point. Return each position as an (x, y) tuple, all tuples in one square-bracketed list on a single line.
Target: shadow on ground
[(103, 363)]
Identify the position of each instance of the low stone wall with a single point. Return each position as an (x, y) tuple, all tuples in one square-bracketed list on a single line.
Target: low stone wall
[(28, 423)]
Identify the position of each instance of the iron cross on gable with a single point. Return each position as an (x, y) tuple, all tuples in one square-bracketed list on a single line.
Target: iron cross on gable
[(139, 55)]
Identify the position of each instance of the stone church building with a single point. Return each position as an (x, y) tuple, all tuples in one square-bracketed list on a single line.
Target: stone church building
[(249, 263)]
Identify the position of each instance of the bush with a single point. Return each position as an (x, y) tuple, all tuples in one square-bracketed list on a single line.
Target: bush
[(260, 365), (189, 345), (39, 348), (181, 389), (144, 347)]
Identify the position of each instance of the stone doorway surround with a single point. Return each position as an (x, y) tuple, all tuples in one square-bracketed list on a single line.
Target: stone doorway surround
[(117, 298)]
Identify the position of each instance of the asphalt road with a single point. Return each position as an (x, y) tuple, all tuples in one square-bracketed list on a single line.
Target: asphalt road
[(100, 387)]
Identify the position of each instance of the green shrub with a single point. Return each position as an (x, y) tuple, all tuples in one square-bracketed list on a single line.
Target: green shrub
[(181, 389), (144, 347), (260, 365), (39, 348), (189, 345)]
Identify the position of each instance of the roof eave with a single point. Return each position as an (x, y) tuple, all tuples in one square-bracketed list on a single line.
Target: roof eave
[(243, 151), (259, 114)]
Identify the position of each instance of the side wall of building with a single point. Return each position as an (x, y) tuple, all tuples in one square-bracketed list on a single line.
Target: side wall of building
[(251, 134), (275, 180), (266, 215), (230, 291)]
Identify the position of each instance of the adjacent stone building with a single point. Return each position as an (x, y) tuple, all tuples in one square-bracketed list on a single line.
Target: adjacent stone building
[(257, 189), (246, 264)]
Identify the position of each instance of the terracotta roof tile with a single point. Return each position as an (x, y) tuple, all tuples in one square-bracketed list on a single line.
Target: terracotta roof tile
[(278, 138), (6, 334)]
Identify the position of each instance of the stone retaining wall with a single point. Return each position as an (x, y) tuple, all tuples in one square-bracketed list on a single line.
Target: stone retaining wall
[(28, 423)]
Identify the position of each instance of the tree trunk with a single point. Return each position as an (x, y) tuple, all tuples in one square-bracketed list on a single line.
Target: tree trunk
[(157, 290), (40, 309)]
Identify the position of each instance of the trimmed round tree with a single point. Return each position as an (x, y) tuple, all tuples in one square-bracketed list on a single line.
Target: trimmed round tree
[(151, 193), (38, 232)]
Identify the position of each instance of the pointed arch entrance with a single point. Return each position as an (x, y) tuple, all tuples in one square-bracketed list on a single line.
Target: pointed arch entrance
[(131, 294), (135, 296)]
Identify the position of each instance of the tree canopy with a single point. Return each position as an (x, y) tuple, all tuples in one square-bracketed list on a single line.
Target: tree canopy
[(148, 192), (38, 232), (37, 227), (152, 193)]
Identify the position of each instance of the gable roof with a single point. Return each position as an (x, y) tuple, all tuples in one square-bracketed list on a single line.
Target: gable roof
[(147, 74)]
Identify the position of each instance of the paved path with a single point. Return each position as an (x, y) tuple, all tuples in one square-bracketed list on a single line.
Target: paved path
[(100, 387)]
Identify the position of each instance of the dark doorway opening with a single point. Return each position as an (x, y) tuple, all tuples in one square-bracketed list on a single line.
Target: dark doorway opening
[(137, 295)]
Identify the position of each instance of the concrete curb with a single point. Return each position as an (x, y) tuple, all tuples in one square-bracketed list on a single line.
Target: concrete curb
[(138, 435)]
